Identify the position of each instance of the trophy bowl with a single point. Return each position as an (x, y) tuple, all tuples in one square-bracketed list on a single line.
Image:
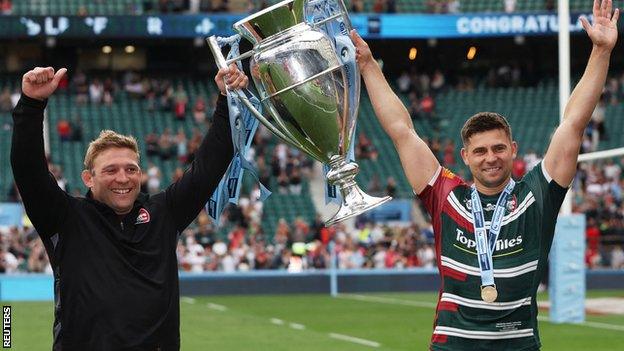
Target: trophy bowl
[(302, 83)]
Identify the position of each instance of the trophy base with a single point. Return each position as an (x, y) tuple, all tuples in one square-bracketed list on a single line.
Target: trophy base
[(356, 202)]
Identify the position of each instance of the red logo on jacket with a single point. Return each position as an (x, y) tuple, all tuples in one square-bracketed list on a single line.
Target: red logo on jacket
[(143, 216)]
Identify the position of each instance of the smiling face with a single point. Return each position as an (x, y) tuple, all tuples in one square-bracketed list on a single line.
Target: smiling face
[(115, 178), (490, 155)]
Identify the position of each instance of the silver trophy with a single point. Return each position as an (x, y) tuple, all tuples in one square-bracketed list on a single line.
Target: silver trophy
[(302, 84)]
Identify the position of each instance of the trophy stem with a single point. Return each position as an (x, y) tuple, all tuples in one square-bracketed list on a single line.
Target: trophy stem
[(354, 200)]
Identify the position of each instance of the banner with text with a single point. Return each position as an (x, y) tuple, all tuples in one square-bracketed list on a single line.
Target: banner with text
[(384, 26)]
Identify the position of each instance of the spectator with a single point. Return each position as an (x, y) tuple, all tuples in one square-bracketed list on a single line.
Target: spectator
[(427, 106), (152, 145), (390, 6), (6, 105), (76, 129), (180, 101), (599, 131), (63, 128), (81, 88), (154, 177), (617, 257), (437, 82), (357, 6), (82, 11), (436, 6), (414, 106), (199, 111), (282, 182), (6, 7), (404, 82), (15, 96), (448, 158), (509, 6), (391, 187), (165, 145), (365, 148), (295, 182), (109, 92), (453, 6), (96, 91), (379, 6)]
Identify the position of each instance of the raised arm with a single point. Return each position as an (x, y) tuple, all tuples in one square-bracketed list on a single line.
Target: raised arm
[(561, 157), (419, 163), (188, 195), (45, 203)]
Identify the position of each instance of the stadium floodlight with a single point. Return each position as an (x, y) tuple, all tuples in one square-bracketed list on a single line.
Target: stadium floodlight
[(472, 52)]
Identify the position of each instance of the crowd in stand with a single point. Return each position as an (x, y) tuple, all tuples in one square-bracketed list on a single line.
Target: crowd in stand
[(300, 245)]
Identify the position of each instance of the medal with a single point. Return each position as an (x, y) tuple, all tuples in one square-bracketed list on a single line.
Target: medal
[(489, 293)]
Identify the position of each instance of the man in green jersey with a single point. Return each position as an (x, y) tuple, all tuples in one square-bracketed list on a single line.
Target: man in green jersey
[(493, 238)]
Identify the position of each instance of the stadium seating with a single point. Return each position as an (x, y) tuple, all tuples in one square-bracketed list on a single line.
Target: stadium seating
[(532, 112), (74, 7)]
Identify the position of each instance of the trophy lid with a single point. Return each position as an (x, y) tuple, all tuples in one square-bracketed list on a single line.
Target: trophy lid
[(270, 21)]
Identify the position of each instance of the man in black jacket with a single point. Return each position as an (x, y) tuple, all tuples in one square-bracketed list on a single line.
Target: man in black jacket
[(113, 252)]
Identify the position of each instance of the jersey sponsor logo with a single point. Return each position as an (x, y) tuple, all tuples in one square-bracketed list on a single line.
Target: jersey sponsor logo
[(502, 244), (143, 216)]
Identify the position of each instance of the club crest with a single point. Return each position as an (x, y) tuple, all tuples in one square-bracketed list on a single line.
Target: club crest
[(143, 217)]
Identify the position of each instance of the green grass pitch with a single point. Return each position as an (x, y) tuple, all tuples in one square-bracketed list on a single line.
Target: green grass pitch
[(392, 321)]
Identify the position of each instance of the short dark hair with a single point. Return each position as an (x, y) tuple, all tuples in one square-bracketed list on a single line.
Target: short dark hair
[(482, 122)]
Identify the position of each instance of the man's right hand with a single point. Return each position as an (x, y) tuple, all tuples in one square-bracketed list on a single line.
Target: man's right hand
[(363, 54), (39, 83), (231, 78)]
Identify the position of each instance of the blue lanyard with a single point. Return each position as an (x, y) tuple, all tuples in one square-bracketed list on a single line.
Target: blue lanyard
[(484, 251)]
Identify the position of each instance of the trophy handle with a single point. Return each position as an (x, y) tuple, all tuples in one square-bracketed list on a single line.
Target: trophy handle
[(222, 63)]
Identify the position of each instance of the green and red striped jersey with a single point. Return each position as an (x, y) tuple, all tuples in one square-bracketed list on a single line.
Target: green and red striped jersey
[(463, 321)]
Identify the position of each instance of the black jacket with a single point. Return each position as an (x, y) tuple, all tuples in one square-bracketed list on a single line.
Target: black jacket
[(115, 280)]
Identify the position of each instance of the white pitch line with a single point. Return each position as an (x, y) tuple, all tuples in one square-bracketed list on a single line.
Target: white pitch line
[(387, 300), (355, 340), (604, 326), (277, 321), (188, 299), (597, 325), (297, 326), (216, 307), (393, 301)]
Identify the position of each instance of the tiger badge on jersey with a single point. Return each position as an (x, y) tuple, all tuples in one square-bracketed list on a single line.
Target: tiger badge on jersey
[(512, 204)]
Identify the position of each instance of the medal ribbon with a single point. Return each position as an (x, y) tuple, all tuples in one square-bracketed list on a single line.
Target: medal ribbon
[(485, 250)]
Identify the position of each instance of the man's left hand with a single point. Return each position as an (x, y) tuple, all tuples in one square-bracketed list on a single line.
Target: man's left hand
[(603, 32)]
